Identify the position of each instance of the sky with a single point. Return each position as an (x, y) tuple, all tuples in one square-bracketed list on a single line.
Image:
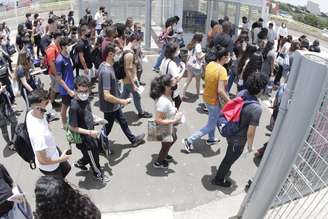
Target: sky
[(323, 3)]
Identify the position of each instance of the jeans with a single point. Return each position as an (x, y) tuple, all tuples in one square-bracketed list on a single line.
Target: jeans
[(209, 128), (61, 171), (233, 153), (160, 58), (6, 81), (127, 89), (231, 79), (119, 117)]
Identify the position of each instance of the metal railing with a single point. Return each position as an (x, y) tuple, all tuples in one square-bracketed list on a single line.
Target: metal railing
[(303, 194)]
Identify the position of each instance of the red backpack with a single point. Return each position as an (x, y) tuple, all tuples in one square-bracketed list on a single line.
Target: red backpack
[(229, 118)]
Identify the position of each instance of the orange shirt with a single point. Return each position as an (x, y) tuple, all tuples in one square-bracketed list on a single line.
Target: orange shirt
[(52, 52)]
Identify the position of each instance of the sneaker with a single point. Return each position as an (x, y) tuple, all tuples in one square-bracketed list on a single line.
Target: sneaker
[(169, 158), (188, 145), (11, 146), (145, 115), (205, 108), (212, 142), (80, 166), (163, 164), (156, 70), (102, 178), (139, 140), (224, 184)]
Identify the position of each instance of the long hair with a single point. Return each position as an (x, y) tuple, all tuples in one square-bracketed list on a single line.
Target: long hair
[(55, 199), (24, 61), (197, 38), (158, 84), (250, 49)]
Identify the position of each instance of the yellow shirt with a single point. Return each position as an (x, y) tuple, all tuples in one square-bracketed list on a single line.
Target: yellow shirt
[(214, 73)]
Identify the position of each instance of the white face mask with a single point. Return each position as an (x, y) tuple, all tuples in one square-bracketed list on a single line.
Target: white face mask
[(83, 96), (177, 53), (244, 46)]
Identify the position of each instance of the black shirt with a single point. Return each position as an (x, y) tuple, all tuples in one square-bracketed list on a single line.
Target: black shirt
[(80, 115), (85, 47), (29, 25)]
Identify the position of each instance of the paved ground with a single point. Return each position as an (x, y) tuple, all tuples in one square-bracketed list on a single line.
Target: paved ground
[(135, 184)]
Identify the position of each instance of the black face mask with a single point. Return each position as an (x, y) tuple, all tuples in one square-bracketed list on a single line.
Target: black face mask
[(88, 35)]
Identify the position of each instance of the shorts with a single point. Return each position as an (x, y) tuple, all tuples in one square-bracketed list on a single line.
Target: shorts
[(53, 83), (66, 100)]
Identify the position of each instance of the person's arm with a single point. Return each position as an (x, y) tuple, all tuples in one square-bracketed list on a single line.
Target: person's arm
[(25, 84), (112, 99), (45, 160), (221, 91), (250, 137), (91, 133), (128, 62), (160, 118)]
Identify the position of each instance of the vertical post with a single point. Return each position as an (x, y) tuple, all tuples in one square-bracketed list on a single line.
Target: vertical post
[(237, 18), (250, 13), (80, 9), (162, 13), (275, 165), (148, 25), (209, 14), (226, 5)]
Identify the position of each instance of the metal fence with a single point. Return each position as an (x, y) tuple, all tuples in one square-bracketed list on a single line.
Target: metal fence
[(301, 195)]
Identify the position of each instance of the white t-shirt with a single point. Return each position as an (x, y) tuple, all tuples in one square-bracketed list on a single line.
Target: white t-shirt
[(170, 67), (42, 139), (197, 49), (165, 105), (99, 18), (283, 31)]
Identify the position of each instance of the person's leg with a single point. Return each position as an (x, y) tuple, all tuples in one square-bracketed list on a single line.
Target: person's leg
[(119, 116), (127, 88), (137, 102), (110, 117), (164, 151), (209, 128), (9, 88), (159, 59), (198, 77), (185, 86), (5, 134), (230, 81), (233, 153), (65, 168), (93, 155), (278, 76), (63, 112)]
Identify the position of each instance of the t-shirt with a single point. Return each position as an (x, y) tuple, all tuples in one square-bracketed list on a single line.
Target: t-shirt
[(224, 40), (85, 47), (52, 52), (5, 191), (80, 115), (107, 81), (250, 115), (268, 63), (42, 139), (45, 42), (64, 68), (170, 67), (104, 44), (197, 49), (165, 105), (214, 73), (272, 35)]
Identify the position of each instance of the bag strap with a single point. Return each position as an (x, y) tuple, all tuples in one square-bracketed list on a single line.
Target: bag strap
[(167, 66)]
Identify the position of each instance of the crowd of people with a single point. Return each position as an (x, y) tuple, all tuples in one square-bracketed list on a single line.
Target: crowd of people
[(96, 50)]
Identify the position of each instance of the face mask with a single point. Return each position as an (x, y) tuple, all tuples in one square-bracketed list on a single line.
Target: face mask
[(177, 53), (244, 46), (83, 96), (228, 60)]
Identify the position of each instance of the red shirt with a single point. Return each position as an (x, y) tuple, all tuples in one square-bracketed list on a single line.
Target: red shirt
[(52, 52)]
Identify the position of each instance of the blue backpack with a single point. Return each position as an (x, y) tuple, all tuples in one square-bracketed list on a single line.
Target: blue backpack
[(230, 116)]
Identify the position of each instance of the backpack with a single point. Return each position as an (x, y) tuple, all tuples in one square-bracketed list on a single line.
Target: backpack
[(75, 57), (23, 144), (119, 66), (230, 116)]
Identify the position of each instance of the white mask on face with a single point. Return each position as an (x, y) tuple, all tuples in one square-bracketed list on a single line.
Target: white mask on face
[(244, 46), (177, 53), (83, 96)]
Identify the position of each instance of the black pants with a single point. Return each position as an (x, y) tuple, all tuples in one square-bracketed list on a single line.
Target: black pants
[(119, 117), (233, 153), (90, 152), (6, 81), (177, 102), (37, 42), (278, 76), (61, 171)]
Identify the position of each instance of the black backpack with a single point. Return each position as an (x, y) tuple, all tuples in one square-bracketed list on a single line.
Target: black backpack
[(75, 57), (119, 66), (23, 144)]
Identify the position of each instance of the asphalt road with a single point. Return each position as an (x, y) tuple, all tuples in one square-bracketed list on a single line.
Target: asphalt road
[(135, 184)]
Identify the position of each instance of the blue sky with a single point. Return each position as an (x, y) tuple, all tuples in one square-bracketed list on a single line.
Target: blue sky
[(323, 3)]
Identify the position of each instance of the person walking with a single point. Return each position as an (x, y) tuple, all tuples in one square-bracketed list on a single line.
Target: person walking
[(215, 82), (165, 114)]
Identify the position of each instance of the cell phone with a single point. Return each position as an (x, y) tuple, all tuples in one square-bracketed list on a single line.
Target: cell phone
[(69, 152)]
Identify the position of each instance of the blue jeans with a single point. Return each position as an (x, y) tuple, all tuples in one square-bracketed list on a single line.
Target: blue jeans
[(209, 128), (127, 90), (160, 58)]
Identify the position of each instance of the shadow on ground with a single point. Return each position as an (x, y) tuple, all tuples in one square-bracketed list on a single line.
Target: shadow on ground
[(200, 147), (206, 182), (157, 172)]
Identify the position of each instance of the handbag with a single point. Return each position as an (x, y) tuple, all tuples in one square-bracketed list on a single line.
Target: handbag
[(194, 64), (71, 136), (157, 132)]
